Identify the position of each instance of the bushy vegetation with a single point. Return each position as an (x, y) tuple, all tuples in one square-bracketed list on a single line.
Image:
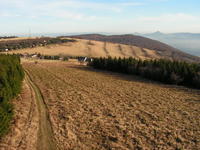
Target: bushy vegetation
[(11, 76), (166, 71), (49, 57), (55, 57), (30, 43)]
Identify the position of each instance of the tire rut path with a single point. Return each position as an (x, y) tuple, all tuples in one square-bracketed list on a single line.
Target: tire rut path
[(45, 139)]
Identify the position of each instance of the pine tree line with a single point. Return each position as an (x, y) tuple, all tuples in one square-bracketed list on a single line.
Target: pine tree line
[(7, 37), (166, 71), (11, 76)]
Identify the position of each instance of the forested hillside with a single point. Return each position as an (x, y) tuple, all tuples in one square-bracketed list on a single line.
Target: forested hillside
[(11, 76), (30, 43), (7, 37)]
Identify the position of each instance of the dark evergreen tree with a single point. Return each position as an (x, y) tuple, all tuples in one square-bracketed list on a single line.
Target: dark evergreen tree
[(11, 76), (166, 71)]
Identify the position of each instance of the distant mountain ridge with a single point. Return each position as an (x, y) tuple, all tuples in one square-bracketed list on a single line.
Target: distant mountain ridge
[(188, 42), (181, 34), (162, 49)]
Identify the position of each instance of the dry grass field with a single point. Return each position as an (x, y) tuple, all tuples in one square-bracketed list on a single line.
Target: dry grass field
[(92, 49), (18, 38), (89, 109)]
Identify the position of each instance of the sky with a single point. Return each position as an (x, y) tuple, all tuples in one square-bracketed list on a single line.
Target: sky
[(112, 16)]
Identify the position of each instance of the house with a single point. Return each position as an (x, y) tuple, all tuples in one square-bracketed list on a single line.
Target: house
[(84, 59), (34, 56)]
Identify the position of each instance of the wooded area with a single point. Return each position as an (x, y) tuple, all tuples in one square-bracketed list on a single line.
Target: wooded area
[(30, 43), (7, 37), (166, 71), (11, 76)]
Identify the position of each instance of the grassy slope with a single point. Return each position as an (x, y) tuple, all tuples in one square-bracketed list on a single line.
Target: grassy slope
[(96, 49), (162, 48), (101, 110)]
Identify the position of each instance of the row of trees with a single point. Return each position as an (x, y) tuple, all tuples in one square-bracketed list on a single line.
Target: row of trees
[(55, 57), (166, 71), (42, 56), (7, 37), (11, 76), (30, 43)]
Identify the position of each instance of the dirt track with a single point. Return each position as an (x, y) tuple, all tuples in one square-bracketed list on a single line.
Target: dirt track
[(45, 139), (31, 128)]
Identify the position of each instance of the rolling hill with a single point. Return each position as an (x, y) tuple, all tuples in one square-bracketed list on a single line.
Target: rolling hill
[(91, 49), (96, 45), (161, 49)]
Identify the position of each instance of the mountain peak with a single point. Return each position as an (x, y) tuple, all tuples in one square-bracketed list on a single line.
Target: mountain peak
[(158, 33)]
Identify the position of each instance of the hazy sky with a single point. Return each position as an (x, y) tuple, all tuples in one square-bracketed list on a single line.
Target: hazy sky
[(118, 16)]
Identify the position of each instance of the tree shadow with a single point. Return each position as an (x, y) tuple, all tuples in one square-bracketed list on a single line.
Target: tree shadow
[(137, 79), (193, 101)]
